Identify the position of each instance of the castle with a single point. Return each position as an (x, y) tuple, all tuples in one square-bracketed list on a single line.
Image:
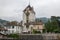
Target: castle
[(29, 23)]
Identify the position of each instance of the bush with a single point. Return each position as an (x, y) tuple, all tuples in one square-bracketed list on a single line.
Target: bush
[(35, 32), (13, 35)]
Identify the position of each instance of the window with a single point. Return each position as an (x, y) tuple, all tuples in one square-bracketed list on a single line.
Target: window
[(12, 26)]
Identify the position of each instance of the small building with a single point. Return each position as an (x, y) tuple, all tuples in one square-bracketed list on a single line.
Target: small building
[(39, 26), (13, 28)]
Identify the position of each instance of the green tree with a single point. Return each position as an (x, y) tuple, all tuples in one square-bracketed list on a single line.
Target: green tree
[(13, 35), (36, 32), (53, 25)]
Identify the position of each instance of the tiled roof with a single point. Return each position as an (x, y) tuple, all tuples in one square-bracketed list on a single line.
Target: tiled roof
[(3, 29), (34, 23)]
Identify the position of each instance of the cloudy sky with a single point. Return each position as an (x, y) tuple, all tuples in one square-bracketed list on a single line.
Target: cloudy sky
[(13, 9)]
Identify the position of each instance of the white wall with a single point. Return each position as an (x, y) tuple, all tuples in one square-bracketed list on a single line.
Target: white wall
[(16, 29), (31, 19)]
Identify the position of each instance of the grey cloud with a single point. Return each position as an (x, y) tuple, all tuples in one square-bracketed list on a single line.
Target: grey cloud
[(43, 8)]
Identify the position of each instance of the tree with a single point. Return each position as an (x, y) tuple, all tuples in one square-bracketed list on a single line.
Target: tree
[(13, 35), (53, 25), (36, 32)]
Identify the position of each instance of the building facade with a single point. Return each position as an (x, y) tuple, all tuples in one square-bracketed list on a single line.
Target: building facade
[(13, 29), (29, 22), (28, 16)]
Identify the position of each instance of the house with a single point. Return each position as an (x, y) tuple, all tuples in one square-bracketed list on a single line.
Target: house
[(39, 26), (13, 28)]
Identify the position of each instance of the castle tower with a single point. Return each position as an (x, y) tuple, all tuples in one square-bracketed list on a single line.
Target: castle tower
[(28, 16)]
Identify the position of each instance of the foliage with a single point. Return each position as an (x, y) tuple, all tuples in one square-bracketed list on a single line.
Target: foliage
[(36, 32), (3, 21), (53, 25), (13, 35), (44, 31)]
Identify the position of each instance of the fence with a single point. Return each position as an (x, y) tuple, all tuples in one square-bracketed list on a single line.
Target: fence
[(35, 37)]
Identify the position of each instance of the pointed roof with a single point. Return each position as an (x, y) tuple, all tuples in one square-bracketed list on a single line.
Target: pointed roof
[(30, 8)]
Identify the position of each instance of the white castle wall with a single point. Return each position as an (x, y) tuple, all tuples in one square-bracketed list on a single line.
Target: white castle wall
[(31, 19)]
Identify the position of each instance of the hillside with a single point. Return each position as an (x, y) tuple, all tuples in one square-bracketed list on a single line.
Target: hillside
[(3, 21), (44, 19)]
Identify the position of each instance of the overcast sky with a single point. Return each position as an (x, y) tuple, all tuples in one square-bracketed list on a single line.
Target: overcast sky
[(13, 9)]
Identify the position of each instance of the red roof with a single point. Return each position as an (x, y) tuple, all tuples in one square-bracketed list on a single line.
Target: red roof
[(3, 29)]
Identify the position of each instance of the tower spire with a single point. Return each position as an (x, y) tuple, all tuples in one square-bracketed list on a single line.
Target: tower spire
[(29, 2)]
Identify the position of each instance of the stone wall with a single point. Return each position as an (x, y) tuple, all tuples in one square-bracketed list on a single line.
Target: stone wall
[(35, 37), (40, 37)]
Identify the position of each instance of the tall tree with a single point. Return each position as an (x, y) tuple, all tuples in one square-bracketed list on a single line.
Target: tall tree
[(53, 25)]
